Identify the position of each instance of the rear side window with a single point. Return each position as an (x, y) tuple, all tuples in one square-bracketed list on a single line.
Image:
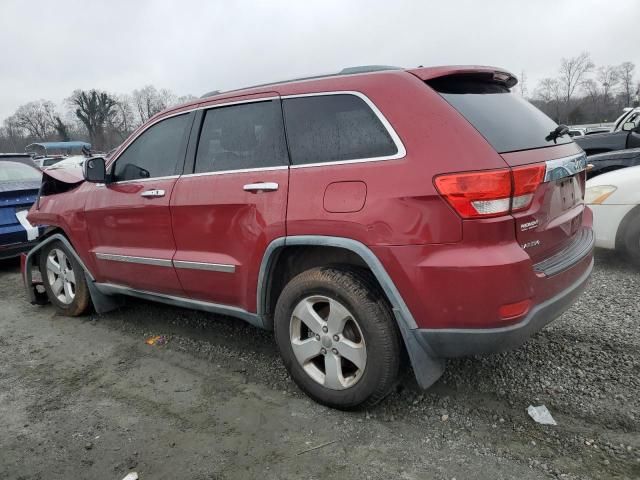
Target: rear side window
[(158, 152), (248, 135), (506, 120), (329, 128)]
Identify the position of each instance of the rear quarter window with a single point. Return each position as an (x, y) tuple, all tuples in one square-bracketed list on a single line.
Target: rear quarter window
[(330, 128), (507, 121)]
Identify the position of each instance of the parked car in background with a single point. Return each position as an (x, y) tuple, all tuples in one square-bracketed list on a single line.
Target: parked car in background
[(607, 162), (19, 184), (625, 134), (594, 130), (614, 198), (320, 209)]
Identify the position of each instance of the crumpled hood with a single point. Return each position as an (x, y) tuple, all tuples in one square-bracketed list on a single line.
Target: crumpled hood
[(66, 171)]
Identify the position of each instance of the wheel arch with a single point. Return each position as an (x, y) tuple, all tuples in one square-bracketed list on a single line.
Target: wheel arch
[(426, 365), (624, 226)]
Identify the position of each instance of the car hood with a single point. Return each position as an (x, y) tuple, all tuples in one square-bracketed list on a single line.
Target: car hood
[(66, 172)]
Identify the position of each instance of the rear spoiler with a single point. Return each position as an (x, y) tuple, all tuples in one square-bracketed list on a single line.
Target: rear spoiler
[(498, 75)]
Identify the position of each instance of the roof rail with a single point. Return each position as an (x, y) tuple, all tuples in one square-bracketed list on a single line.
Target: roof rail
[(344, 71), (367, 68)]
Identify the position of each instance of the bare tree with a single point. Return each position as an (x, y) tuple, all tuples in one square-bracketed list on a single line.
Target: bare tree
[(550, 94), (61, 129), (95, 109), (13, 133), (124, 121), (37, 118), (148, 101), (523, 84), (625, 72), (592, 92), (607, 78), (572, 73)]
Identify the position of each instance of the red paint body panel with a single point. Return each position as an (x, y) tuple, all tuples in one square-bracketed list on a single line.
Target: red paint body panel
[(345, 197), (216, 221), (121, 222)]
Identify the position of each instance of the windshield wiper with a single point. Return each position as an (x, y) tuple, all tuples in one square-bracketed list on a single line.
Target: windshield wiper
[(559, 131)]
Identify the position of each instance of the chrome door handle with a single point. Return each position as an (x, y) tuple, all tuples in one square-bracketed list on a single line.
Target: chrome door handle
[(152, 193), (261, 187)]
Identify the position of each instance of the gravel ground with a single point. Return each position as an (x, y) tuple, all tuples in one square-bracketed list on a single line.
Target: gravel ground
[(87, 398)]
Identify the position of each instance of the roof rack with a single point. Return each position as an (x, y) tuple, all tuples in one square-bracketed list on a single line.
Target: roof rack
[(345, 71)]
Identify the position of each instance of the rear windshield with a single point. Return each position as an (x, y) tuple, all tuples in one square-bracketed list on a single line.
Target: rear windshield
[(17, 172), (506, 120)]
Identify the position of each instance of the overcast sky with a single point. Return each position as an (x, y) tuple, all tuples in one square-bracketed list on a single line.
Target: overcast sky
[(50, 48)]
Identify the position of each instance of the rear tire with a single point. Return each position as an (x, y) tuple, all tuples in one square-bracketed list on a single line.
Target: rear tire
[(338, 338), (64, 280)]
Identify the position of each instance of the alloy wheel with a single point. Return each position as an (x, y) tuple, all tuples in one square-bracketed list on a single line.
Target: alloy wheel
[(61, 276), (328, 342)]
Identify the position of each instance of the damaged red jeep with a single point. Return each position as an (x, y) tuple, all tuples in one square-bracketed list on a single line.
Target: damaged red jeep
[(366, 217)]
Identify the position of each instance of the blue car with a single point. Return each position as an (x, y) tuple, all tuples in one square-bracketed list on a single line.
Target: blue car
[(19, 184)]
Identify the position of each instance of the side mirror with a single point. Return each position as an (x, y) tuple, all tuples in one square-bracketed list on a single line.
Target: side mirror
[(94, 170), (629, 126)]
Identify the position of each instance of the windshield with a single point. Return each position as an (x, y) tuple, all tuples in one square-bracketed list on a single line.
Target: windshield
[(506, 120), (18, 172)]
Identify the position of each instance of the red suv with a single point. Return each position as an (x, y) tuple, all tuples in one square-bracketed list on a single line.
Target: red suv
[(360, 215)]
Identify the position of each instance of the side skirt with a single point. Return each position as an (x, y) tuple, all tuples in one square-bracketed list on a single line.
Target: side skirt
[(111, 289)]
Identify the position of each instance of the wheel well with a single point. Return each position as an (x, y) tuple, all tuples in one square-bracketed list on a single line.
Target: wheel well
[(624, 225), (292, 260)]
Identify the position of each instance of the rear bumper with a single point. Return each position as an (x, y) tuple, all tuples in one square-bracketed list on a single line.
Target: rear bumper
[(448, 343)]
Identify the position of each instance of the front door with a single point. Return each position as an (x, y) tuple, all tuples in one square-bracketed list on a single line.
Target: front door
[(234, 204), (129, 219)]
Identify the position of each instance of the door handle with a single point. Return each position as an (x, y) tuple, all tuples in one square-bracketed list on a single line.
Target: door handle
[(152, 193), (261, 187)]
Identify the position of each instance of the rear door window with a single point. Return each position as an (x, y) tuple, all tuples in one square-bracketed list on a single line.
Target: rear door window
[(243, 136), (329, 128), (158, 152), (506, 120)]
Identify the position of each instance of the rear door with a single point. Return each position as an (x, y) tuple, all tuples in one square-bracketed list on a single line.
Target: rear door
[(128, 218), (234, 203)]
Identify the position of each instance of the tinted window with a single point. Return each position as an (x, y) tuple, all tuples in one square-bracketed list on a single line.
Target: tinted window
[(158, 152), (248, 135), (506, 120), (329, 128), (18, 172)]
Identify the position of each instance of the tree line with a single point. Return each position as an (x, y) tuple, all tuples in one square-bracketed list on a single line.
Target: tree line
[(583, 93), (101, 118), (580, 93)]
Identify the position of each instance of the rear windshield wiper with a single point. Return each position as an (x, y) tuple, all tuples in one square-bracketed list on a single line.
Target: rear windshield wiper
[(559, 131)]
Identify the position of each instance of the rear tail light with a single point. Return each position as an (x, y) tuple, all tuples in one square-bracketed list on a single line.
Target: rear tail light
[(490, 193)]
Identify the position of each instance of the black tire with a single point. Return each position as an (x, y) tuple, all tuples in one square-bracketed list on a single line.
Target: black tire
[(81, 298), (631, 239), (359, 294)]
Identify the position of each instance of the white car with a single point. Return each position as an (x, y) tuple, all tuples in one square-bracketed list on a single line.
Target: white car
[(614, 198)]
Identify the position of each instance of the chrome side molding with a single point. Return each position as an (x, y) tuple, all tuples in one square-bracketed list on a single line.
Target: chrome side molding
[(160, 262), (565, 167), (213, 267), (164, 262)]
